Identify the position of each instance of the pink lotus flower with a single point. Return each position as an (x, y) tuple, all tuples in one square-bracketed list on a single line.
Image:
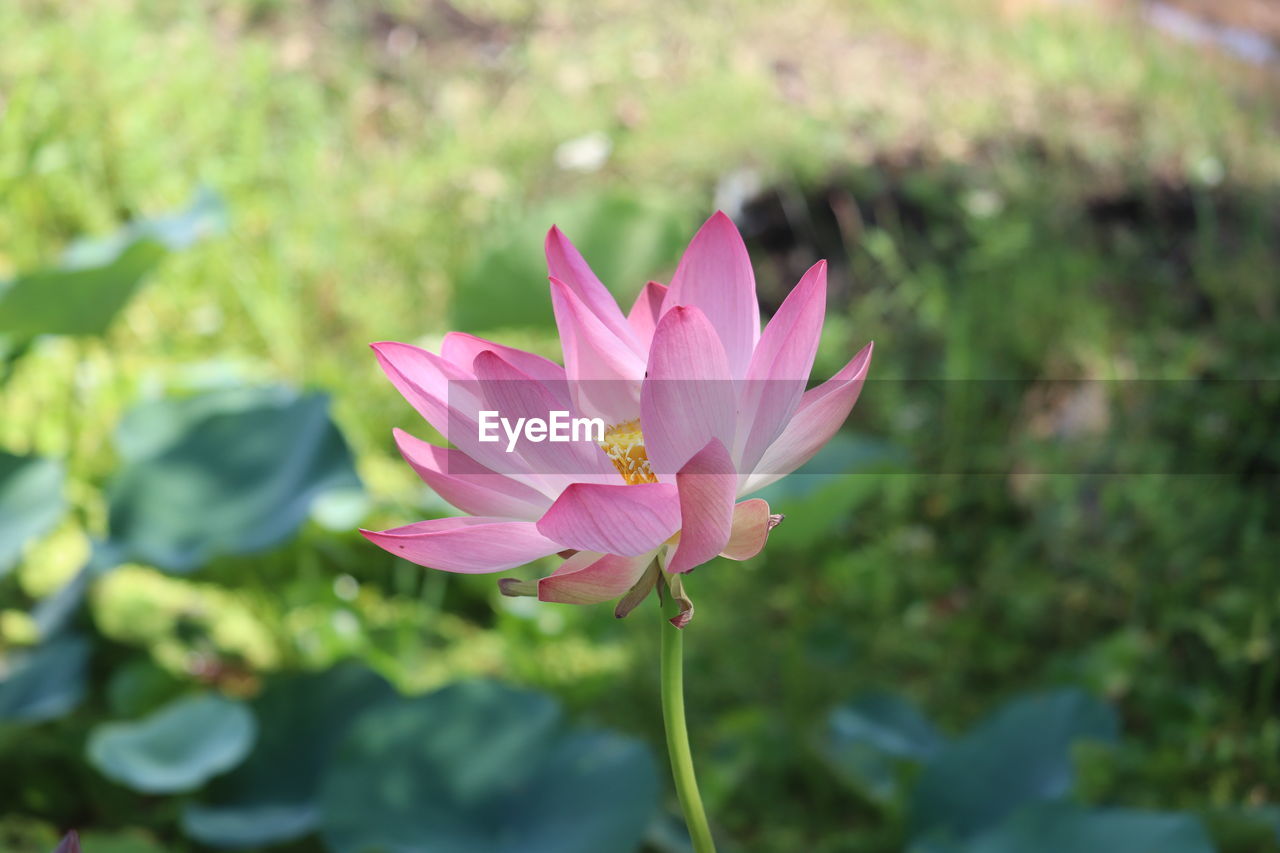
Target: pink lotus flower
[(702, 407)]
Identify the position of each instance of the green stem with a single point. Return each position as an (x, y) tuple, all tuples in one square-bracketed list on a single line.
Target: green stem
[(678, 735)]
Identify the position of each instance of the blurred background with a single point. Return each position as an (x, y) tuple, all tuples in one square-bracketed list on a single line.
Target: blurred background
[(1035, 610)]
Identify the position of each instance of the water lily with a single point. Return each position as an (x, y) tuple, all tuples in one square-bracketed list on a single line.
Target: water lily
[(698, 407), (703, 408)]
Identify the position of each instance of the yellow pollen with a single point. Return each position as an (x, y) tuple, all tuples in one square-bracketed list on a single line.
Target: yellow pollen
[(624, 444)]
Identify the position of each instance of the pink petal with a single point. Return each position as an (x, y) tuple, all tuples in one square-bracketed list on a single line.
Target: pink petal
[(462, 349), (604, 372), (449, 398), (467, 545), (688, 398), (780, 367), (467, 484), (750, 530), (707, 485), (626, 520), (515, 395), (645, 313), (822, 411), (588, 578), (422, 378), (565, 263), (715, 276)]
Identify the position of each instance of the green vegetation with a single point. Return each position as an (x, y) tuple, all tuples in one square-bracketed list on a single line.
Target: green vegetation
[(1055, 197)]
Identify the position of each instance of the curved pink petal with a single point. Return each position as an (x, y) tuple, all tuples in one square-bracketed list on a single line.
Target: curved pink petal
[(780, 367), (707, 485), (688, 398), (645, 312), (604, 373), (448, 397), (626, 520), (421, 377), (514, 396), (715, 276), (467, 545), (589, 578), (467, 484), (750, 530), (565, 263), (462, 349), (822, 411)]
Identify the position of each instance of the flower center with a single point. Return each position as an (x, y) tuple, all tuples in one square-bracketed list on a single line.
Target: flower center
[(624, 444)]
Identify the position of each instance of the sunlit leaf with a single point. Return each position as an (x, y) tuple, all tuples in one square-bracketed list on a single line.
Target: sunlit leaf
[(177, 748), (482, 768), (76, 301), (204, 216), (31, 503), (224, 475), (12, 349), (96, 278)]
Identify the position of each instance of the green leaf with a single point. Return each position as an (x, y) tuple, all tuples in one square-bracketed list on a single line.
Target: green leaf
[(96, 278), (12, 349), (1019, 755), (1066, 828), (75, 301), (44, 682), (272, 797), (31, 503), (140, 686), (482, 768), (223, 474), (204, 216), (870, 740), (177, 748)]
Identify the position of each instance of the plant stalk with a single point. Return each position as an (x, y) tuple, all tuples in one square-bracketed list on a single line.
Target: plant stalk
[(678, 734)]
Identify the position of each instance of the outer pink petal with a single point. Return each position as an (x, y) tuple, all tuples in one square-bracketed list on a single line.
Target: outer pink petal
[(466, 545), (750, 530), (565, 263), (645, 313), (626, 520), (715, 276), (707, 485), (689, 397), (462, 349), (604, 372), (446, 395), (589, 578), (822, 411), (421, 377), (467, 484), (780, 366)]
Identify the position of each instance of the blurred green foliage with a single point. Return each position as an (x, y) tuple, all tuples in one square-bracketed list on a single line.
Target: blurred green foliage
[(1051, 196)]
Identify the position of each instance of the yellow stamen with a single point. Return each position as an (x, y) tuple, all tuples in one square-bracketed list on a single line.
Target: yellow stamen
[(624, 444)]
